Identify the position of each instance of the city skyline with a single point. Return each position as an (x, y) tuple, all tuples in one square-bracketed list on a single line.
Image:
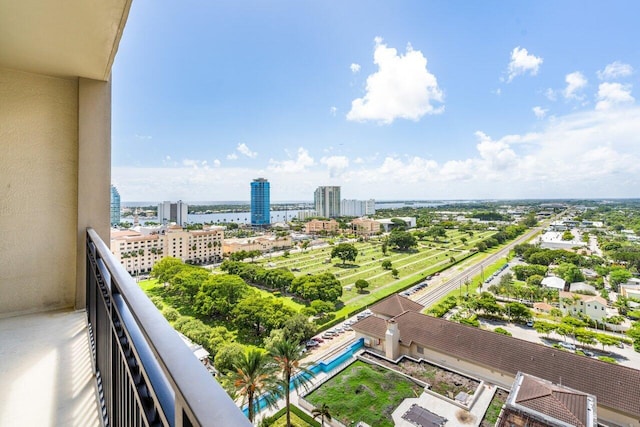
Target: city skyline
[(408, 101)]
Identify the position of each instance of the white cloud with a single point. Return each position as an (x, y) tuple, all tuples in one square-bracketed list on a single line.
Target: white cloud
[(333, 111), (539, 112), (402, 87), (244, 149), (216, 163), (232, 156), (302, 161), (522, 62), (195, 163), (583, 154), (575, 82), (615, 70), (550, 94), (144, 137), (358, 160), (336, 165), (612, 94), (355, 68)]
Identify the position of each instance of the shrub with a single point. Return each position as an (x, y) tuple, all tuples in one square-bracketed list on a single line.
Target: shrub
[(157, 301), (502, 331), (170, 313)]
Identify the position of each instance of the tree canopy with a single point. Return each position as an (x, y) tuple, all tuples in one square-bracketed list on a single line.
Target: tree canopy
[(402, 240), (344, 251)]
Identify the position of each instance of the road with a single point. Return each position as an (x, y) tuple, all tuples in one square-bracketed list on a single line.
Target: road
[(452, 280)]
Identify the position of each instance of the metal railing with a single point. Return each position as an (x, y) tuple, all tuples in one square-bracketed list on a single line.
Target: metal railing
[(146, 375)]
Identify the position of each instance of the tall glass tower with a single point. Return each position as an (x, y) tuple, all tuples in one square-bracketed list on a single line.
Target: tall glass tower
[(115, 206), (260, 202)]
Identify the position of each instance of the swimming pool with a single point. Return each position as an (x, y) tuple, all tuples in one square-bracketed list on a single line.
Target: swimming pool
[(319, 367)]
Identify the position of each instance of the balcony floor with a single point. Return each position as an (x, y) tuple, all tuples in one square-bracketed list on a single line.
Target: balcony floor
[(46, 375)]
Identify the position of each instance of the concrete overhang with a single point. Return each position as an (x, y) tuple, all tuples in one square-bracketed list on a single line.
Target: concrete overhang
[(66, 38)]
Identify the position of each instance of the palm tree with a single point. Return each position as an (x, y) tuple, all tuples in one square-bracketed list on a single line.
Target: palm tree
[(287, 354), (322, 412), (254, 375)]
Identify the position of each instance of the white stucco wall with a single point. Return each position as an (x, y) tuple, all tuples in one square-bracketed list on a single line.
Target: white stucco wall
[(38, 192)]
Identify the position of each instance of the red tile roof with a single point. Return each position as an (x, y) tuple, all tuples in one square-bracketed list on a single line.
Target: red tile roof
[(616, 387), (394, 305), (561, 403)]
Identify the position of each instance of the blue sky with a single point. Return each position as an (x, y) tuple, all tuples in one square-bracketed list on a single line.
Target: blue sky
[(390, 100)]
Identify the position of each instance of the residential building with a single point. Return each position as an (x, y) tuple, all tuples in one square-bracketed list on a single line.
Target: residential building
[(365, 227), (306, 213), (553, 282), (260, 203), (497, 359), (115, 206), (316, 226), (582, 287), (176, 213), (535, 402), (327, 202), (352, 207), (73, 324), (265, 243), (138, 251), (592, 306), (631, 289)]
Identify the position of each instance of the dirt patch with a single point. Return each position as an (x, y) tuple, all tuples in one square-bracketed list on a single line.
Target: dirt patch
[(441, 381), (464, 417)]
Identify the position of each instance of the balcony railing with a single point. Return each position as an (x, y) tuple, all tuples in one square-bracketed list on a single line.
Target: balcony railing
[(146, 375)]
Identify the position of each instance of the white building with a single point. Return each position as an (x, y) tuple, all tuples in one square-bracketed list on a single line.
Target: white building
[(553, 282), (387, 223), (305, 214), (594, 307), (358, 208), (327, 201), (173, 213)]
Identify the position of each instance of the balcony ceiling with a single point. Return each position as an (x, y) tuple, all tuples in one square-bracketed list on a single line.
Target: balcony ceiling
[(65, 38)]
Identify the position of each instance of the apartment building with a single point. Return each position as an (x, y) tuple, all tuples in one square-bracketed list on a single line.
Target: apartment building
[(169, 212), (326, 201), (138, 251), (352, 207), (316, 226)]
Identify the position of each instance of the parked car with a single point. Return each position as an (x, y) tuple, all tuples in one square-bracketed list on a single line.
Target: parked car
[(620, 344), (318, 339), (588, 353), (530, 323), (311, 343), (568, 346)]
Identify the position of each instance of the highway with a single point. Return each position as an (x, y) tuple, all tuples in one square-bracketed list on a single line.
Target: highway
[(433, 294)]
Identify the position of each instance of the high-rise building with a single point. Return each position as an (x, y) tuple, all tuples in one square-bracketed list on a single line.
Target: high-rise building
[(260, 202), (115, 206), (358, 208), (173, 212), (327, 201)]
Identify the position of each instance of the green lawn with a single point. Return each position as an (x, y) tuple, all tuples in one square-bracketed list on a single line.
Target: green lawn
[(364, 392)]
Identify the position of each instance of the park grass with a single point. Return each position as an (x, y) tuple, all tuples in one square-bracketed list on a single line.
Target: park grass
[(296, 421), (364, 392)]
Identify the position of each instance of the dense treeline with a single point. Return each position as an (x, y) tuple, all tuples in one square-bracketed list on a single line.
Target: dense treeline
[(224, 300), (324, 286)]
